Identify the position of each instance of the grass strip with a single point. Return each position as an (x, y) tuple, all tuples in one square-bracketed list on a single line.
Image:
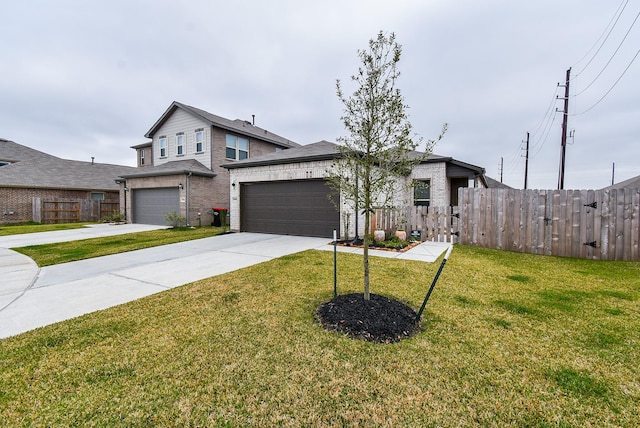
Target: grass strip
[(62, 252), (243, 349), (18, 229)]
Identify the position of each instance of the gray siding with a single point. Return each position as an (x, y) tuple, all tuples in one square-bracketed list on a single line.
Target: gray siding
[(181, 121)]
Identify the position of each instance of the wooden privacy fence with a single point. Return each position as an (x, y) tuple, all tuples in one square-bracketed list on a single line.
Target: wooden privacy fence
[(72, 210), (591, 224), (439, 224)]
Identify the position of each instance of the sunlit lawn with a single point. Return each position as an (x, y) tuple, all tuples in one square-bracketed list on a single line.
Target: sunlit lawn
[(508, 340)]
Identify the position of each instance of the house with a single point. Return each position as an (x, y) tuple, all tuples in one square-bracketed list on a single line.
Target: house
[(633, 182), (179, 168), (286, 192), (26, 173)]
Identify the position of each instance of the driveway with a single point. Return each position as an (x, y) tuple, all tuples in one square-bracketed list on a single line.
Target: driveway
[(32, 297)]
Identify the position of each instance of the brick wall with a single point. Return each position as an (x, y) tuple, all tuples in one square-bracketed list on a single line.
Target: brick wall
[(19, 201)]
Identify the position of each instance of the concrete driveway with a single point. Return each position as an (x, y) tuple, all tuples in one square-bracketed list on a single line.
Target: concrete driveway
[(32, 297)]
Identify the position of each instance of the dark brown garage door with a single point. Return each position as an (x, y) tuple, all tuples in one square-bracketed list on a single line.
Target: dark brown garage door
[(288, 208)]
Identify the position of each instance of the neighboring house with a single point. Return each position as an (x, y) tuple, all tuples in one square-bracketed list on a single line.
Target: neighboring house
[(495, 184), (179, 169), (633, 182), (26, 174), (286, 192)]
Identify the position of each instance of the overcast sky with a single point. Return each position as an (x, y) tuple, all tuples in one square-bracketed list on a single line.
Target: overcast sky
[(89, 78)]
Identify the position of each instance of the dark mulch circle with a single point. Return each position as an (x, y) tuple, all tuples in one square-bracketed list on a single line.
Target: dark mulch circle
[(380, 319)]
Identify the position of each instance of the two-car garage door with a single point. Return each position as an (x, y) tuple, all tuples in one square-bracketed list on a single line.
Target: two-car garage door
[(299, 207), (150, 206)]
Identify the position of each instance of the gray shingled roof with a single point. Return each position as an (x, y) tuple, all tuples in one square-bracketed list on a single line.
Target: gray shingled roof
[(322, 150), (34, 169), (239, 126), (172, 168), (495, 184), (325, 150), (632, 182)]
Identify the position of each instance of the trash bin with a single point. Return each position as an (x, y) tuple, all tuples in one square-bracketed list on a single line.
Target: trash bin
[(219, 217)]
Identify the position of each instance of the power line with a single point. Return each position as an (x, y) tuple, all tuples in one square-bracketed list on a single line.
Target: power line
[(619, 14), (611, 88), (611, 58)]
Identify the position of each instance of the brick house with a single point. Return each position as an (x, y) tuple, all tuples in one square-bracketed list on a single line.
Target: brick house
[(179, 168), (26, 173), (286, 192)]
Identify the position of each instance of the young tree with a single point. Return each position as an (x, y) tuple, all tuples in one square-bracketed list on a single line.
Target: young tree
[(379, 150)]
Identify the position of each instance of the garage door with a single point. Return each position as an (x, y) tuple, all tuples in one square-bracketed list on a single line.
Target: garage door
[(288, 208), (150, 206)]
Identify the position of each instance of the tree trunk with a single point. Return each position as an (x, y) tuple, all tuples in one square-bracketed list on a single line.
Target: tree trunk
[(367, 219)]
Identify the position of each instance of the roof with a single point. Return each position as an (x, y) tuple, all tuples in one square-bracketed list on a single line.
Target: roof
[(242, 127), (34, 169), (322, 150), (325, 150), (171, 168), (143, 145), (632, 182), (495, 184)]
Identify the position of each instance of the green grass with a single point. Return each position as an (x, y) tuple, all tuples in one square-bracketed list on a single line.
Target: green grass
[(243, 349), (62, 252), (17, 229)]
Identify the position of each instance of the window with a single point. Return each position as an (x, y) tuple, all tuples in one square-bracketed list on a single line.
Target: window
[(422, 193), (237, 148), (199, 140), (180, 143), (3, 163), (97, 196), (163, 147), (141, 156)]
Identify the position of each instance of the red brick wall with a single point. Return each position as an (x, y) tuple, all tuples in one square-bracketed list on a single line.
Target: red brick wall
[(20, 201)]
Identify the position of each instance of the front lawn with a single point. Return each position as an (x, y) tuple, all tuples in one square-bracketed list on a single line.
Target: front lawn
[(62, 252), (507, 340), (18, 229)]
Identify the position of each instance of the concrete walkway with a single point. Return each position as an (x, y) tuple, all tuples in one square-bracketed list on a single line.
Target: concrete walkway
[(32, 297)]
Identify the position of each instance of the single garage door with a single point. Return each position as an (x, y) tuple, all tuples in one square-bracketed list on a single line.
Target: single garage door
[(150, 206), (288, 208)]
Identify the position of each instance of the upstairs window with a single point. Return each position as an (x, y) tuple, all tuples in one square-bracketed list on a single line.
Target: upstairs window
[(180, 143), (199, 138), (422, 193), (237, 148), (163, 147), (141, 156)]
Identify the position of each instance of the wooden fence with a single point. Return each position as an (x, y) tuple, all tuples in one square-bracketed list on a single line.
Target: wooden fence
[(439, 224), (72, 210), (591, 224)]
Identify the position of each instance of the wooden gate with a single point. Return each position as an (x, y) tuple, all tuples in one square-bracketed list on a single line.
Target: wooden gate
[(592, 224)]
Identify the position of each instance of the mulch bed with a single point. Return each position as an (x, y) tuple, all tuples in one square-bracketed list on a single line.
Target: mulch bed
[(380, 319), (376, 246)]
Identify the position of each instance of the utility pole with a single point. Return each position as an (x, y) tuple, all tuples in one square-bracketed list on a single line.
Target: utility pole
[(501, 168), (613, 173), (526, 163), (563, 143)]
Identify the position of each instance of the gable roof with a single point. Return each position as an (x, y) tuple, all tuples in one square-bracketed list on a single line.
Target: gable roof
[(322, 150), (495, 184), (238, 126), (172, 168), (34, 169), (632, 182), (325, 150)]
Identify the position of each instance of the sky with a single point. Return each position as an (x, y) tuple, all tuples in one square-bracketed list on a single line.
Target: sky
[(87, 78)]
